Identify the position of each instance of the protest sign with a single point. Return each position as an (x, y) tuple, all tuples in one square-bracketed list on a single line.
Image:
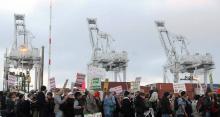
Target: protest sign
[(117, 89), (11, 80), (52, 83), (177, 87)]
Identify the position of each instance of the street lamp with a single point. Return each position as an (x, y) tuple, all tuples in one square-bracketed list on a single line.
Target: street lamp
[(23, 49)]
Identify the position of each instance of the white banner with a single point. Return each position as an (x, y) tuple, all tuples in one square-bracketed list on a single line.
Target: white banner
[(11, 80), (93, 115), (117, 89), (135, 86), (94, 77), (96, 72), (52, 83), (138, 79), (177, 87)]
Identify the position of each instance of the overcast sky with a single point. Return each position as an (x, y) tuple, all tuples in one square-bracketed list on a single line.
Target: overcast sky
[(130, 23)]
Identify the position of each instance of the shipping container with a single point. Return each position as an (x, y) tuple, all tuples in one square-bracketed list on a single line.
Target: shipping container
[(125, 85)]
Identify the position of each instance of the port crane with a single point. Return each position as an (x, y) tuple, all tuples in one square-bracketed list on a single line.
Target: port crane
[(179, 58), (103, 55), (22, 57)]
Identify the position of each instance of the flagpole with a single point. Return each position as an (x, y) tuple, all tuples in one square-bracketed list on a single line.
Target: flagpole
[(50, 40)]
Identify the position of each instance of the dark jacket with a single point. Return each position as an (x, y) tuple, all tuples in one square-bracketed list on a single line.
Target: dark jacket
[(41, 103), (140, 106), (207, 104), (68, 107), (10, 108), (126, 107), (41, 99), (165, 106), (23, 108), (49, 108)]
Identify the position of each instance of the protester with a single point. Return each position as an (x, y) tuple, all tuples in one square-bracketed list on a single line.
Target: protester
[(49, 106), (98, 101), (140, 106), (117, 105), (10, 105), (90, 104), (23, 107), (2, 103), (188, 107), (207, 104), (78, 105), (109, 105), (58, 101), (214, 107), (166, 105), (40, 101), (68, 110), (126, 107), (154, 100), (195, 111), (181, 111)]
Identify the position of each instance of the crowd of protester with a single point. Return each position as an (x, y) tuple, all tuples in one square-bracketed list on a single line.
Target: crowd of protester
[(75, 103)]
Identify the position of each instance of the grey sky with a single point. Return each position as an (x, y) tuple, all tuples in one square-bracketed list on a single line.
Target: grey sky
[(130, 23)]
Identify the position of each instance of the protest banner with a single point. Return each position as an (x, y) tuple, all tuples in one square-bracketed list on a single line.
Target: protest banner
[(93, 115), (177, 87), (135, 85), (52, 83), (11, 80), (80, 79), (117, 89), (94, 77)]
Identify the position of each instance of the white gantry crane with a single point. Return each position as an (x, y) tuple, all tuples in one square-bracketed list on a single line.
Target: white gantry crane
[(103, 55), (179, 59), (23, 57)]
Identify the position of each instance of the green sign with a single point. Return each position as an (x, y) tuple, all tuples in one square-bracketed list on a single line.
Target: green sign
[(95, 83)]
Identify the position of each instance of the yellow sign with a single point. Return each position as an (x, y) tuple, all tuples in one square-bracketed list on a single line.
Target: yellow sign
[(105, 87)]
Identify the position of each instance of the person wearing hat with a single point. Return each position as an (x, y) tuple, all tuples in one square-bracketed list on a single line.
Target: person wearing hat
[(166, 106)]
